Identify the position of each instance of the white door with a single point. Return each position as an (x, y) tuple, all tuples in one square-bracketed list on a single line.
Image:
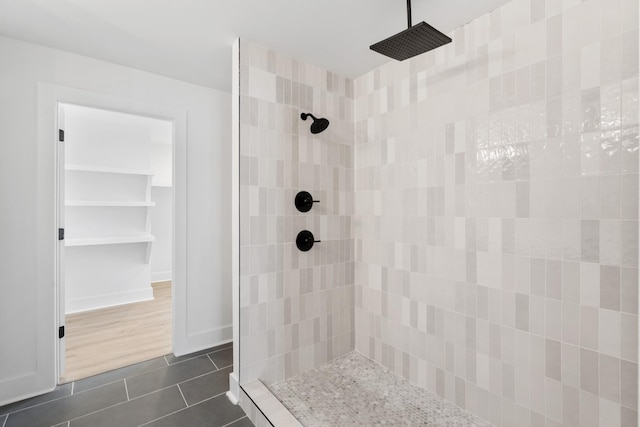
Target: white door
[(60, 175)]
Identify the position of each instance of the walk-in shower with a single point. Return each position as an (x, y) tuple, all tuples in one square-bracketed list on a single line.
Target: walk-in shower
[(478, 220)]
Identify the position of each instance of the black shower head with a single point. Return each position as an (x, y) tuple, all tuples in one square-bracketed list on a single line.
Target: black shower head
[(413, 41), (318, 125)]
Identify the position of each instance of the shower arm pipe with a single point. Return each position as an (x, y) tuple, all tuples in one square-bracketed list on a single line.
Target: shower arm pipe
[(307, 115), (409, 13)]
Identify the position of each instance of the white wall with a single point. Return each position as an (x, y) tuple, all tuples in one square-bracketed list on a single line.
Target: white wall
[(208, 294), (161, 265), (499, 176), (285, 292), (161, 214)]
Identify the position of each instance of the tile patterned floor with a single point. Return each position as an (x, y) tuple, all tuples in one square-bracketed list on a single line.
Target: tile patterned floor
[(167, 391), (353, 390)]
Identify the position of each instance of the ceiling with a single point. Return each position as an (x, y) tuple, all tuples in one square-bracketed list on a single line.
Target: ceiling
[(191, 40)]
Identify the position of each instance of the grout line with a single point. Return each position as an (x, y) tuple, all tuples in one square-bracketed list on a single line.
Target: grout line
[(133, 376), (126, 389), (120, 403), (214, 363), (37, 404), (193, 378), (182, 394), (187, 360), (235, 421), (112, 382), (220, 349), (5, 420), (225, 367), (98, 386), (160, 389), (165, 360), (205, 352), (209, 398), (180, 410)]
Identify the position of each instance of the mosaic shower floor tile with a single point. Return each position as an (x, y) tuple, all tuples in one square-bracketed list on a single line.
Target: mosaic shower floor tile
[(353, 390)]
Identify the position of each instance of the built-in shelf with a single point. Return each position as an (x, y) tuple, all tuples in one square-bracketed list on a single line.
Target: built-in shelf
[(103, 169), (108, 203), (114, 240), (111, 240), (127, 177)]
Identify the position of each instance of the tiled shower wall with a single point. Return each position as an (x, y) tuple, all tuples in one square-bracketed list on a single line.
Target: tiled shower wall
[(496, 215), (296, 307)]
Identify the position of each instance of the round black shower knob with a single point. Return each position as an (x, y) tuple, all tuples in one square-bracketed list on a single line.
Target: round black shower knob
[(305, 240), (304, 201)]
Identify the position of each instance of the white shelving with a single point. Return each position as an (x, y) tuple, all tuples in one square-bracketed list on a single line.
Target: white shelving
[(108, 203), (148, 239), (103, 169), (96, 220), (108, 174), (113, 188), (111, 240)]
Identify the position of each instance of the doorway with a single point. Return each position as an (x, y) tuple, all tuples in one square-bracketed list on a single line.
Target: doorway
[(115, 263)]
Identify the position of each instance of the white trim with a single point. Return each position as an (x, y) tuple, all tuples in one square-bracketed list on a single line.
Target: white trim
[(234, 389), (235, 206), (207, 339), (49, 97), (638, 338), (161, 276), (108, 300)]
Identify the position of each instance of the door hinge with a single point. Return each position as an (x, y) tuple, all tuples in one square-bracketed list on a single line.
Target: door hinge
[(61, 135), (61, 332), (60, 233)]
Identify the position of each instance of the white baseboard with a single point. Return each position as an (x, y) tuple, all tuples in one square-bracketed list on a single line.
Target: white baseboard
[(234, 389), (161, 276), (202, 340), (109, 300)]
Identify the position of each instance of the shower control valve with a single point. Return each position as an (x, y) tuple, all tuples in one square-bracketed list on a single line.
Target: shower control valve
[(305, 240), (304, 201)]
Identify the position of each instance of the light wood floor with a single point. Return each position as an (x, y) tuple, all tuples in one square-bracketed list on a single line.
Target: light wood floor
[(110, 338)]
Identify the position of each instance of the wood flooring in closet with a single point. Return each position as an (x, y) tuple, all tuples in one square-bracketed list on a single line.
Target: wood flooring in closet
[(102, 340)]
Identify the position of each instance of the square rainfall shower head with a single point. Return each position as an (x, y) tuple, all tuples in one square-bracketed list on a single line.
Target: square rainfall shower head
[(418, 39)]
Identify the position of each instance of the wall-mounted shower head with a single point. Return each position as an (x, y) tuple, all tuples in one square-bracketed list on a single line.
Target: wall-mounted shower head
[(413, 41), (318, 125)]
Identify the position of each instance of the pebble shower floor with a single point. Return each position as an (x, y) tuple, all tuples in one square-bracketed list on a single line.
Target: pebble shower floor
[(353, 390)]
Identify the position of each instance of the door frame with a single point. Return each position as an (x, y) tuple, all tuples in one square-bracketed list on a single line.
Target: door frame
[(49, 98)]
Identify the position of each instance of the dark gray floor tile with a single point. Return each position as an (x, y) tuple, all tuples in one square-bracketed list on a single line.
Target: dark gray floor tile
[(206, 386), (60, 391), (214, 412), (2, 419), (70, 407), (119, 374), (171, 375), (243, 422), (222, 358), (173, 359), (135, 412)]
